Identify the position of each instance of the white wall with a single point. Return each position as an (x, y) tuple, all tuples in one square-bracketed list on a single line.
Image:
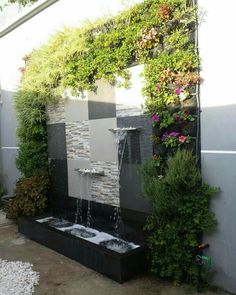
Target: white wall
[(218, 135), (22, 40)]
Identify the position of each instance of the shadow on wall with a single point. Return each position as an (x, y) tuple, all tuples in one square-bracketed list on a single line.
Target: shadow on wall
[(219, 169), (8, 152)]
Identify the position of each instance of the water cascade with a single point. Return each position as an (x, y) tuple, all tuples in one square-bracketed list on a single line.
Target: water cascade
[(85, 178), (121, 135)]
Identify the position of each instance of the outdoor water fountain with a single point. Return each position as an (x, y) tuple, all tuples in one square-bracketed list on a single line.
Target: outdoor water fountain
[(107, 250)]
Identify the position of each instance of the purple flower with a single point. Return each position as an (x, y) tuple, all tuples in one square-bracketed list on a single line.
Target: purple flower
[(155, 118), (174, 134), (165, 136)]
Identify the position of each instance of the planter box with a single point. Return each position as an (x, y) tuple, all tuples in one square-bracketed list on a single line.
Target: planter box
[(119, 267)]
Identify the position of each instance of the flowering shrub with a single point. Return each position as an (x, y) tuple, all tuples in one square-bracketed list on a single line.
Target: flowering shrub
[(155, 119), (149, 38), (174, 139), (185, 79), (166, 118), (184, 116), (181, 93), (162, 119)]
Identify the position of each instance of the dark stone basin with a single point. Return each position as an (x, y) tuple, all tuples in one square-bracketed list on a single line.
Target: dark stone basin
[(118, 266), (117, 245)]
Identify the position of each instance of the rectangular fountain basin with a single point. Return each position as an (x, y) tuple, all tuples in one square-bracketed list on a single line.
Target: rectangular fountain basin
[(117, 266)]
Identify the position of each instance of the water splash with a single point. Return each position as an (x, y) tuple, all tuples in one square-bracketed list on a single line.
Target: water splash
[(117, 245), (79, 215)]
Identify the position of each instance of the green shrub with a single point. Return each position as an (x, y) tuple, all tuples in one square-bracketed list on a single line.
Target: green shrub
[(180, 215), (32, 157), (31, 196)]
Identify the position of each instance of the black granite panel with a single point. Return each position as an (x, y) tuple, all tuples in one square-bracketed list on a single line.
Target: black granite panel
[(59, 183), (139, 144), (101, 110), (135, 148), (131, 189), (56, 138)]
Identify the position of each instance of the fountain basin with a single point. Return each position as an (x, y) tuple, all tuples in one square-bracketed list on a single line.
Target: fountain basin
[(117, 245), (81, 233), (57, 222), (117, 266)]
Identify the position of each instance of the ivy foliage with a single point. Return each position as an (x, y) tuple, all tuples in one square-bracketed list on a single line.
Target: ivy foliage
[(180, 215)]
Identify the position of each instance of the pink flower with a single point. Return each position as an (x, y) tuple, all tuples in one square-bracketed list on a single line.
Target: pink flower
[(158, 87), (155, 118), (182, 139), (178, 91)]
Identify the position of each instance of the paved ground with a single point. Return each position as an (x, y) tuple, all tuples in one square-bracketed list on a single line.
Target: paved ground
[(62, 276)]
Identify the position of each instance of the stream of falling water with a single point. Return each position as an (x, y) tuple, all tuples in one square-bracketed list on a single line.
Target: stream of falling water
[(121, 135), (84, 193), (89, 216), (78, 215)]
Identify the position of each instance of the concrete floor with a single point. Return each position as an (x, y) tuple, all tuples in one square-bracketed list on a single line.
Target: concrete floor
[(62, 276)]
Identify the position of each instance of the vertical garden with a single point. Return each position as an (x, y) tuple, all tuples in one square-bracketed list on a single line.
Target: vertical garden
[(160, 34)]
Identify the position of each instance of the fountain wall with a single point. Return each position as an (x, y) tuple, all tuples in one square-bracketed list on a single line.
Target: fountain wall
[(79, 139)]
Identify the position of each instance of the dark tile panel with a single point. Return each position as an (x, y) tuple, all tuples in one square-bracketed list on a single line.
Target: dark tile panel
[(130, 189), (101, 110), (139, 144), (56, 138), (59, 183)]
